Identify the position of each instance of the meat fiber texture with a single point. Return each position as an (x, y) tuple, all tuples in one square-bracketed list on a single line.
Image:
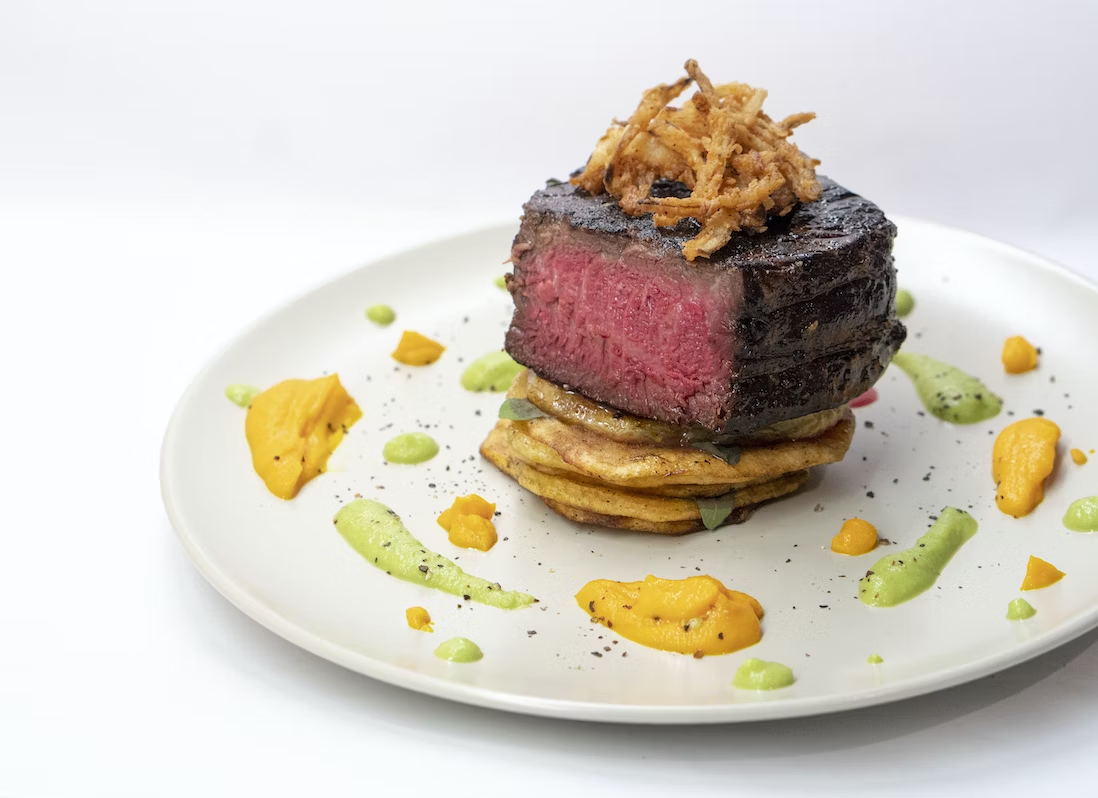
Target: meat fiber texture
[(774, 326)]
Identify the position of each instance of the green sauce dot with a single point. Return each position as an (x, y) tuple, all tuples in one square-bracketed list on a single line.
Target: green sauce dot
[(501, 282), (1019, 610), (410, 448), (905, 302), (241, 395), (947, 392), (381, 314), (1082, 515), (459, 649), (757, 674), (874, 659), (492, 372)]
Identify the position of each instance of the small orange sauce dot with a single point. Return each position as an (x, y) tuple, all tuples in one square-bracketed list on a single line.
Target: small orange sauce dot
[(856, 537), (1019, 355)]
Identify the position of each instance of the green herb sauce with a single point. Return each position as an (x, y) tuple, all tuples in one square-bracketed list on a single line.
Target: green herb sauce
[(501, 282), (757, 674), (376, 532), (241, 395), (410, 448), (905, 302), (492, 372), (1020, 610), (947, 392), (381, 314), (900, 577), (874, 659), (459, 649), (1082, 515)]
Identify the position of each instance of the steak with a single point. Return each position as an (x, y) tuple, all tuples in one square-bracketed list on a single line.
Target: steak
[(775, 325)]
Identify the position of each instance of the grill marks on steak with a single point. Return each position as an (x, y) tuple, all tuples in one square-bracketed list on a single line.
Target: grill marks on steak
[(774, 326)]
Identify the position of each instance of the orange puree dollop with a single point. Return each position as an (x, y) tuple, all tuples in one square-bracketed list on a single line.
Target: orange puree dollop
[(1019, 355), (697, 615), (417, 350), (1040, 574), (468, 523), (418, 619), (294, 427), (856, 537), (1022, 459)]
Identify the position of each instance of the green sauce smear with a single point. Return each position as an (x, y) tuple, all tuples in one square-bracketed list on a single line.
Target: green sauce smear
[(1082, 515), (241, 395), (492, 372), (947, 392), (874, 659), (459, 649), (896, 578), (381, 314), (501, 282), (376, 532), (757, 674), (1020, 610), (410, 448), (905, 302)]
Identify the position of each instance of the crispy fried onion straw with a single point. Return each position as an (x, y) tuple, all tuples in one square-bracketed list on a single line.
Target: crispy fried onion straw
[(736, 163)]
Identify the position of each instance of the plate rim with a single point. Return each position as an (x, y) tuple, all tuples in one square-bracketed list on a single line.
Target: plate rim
[(565, 709)]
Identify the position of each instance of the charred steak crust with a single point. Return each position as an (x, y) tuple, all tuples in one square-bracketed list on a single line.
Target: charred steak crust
[(774, 326)]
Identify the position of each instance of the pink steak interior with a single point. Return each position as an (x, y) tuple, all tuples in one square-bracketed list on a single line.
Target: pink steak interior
[(653, 340)]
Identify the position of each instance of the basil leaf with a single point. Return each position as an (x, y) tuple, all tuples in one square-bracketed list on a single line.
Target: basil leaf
[(520, 410), (716, 510), (729, 454)]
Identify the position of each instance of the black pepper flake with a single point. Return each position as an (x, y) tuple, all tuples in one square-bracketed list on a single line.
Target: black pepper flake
[(591, 605), (720, 635), (423, 568), (1038, 412), (467, 597), (277, 457), (869, 425), (597, 654), (869, 494)]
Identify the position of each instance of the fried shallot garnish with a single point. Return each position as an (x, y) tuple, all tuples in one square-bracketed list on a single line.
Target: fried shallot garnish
[(736, 162)]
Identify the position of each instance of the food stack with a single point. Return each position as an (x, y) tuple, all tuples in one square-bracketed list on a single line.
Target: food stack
[(595, 465), (695, 309)]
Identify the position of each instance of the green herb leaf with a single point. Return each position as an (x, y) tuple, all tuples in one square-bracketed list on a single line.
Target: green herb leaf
[(552, 181), (520, 410), (716, 510), (729, 454)]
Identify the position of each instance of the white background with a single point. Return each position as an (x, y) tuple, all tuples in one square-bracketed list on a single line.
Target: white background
[(169, 171)]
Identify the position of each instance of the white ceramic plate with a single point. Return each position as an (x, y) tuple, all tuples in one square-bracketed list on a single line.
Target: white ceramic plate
[(283, 563)]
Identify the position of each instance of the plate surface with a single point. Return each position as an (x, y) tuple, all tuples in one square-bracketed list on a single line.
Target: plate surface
[(283, 564)]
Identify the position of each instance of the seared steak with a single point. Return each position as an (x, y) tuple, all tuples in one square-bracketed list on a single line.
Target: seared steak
[(775, 325)]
